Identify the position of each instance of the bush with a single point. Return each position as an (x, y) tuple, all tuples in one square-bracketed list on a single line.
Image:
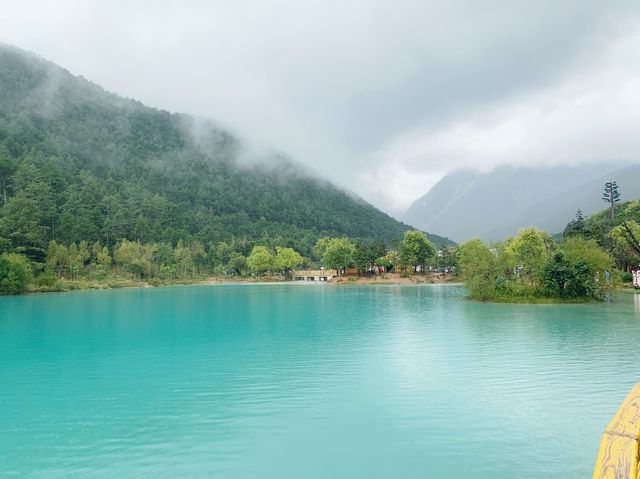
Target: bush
[(15, 273), (626, 277), (47, 280), (565, 279)]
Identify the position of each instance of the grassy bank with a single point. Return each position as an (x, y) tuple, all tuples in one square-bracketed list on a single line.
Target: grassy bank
[(115, 282), (535, 300)]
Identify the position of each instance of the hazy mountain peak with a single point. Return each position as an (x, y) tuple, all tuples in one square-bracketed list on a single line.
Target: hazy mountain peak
[(495, 204)]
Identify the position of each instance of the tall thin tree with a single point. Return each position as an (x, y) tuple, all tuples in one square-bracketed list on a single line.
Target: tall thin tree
[(612, 196)]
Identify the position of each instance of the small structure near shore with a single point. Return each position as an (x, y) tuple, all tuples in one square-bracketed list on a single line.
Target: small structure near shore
[(315, 275)]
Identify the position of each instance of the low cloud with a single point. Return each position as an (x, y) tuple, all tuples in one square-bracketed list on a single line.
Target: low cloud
[(590, 116)]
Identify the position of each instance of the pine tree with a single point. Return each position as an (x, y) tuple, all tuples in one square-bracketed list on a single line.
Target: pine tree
[(612, 196)]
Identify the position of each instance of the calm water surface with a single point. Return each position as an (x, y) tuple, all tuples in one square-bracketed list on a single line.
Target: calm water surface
[(308, 381)]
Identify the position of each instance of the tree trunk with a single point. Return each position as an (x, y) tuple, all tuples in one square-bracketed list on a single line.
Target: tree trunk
[(612, 211)]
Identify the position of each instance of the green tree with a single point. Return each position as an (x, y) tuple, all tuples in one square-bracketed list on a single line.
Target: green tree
[(611, 195), (576, 227), (80, 217), (199, 256), (580, 250), (163, 255), (135, 258), (15, 273), (287, 259), (415, 249), (183, 258), (57, 258), (366, 253), (627, 236), (23, 222), (237, 263), (75, 263), (103, 262), (478, 267), (7, 166), (526, 254), (335, 252), (260, 260), (566, 279)]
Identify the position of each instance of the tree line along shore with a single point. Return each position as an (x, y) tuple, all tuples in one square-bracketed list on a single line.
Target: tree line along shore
[(591, 257), (129, 263)]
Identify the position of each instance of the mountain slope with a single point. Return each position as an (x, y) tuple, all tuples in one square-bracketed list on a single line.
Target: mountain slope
[(79, 163), (554, 213), (496, 204)]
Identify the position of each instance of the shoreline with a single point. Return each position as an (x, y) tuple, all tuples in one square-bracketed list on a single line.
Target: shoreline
[(390, 279), (66, 286)]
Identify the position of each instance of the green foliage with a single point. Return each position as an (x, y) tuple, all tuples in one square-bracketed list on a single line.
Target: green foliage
[(15, 273), (260, 260), (287, 259), (478, 267), (183, 259), (566, 279), (335, 252), (367, 252), (531, 266), (620, 237), (57, 258), (576, 227), (527, 253), (237, 263), (415, 249), (135, 258), (580, 250)]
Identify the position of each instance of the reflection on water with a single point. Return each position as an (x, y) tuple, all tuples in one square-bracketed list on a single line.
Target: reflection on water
[(309, 381), (636, 301)]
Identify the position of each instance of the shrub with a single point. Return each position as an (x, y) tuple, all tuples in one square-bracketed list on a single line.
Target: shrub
[(47, 279), (15, 273), (566, 279)]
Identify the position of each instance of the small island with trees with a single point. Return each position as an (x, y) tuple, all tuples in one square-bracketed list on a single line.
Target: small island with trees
[(584, 263)]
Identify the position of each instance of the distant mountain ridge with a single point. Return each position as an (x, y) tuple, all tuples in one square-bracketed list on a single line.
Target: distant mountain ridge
[(493, 205), (80, 163)]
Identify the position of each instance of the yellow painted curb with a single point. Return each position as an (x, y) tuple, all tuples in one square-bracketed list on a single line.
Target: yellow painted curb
[(618, 457)]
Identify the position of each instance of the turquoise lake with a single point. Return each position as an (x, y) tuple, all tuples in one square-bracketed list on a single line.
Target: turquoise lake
[(308, 381)]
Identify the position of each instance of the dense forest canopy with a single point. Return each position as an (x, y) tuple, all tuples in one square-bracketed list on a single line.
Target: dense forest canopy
[(80, 164)]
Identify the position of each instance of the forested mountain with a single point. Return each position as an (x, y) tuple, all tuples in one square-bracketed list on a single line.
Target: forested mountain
[(495, 204), (79, 163)]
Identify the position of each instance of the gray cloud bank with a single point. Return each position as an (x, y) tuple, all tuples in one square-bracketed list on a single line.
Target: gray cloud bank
[(383, 97)]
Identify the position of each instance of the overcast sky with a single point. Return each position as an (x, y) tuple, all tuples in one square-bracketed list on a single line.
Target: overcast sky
[(383, 97)]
